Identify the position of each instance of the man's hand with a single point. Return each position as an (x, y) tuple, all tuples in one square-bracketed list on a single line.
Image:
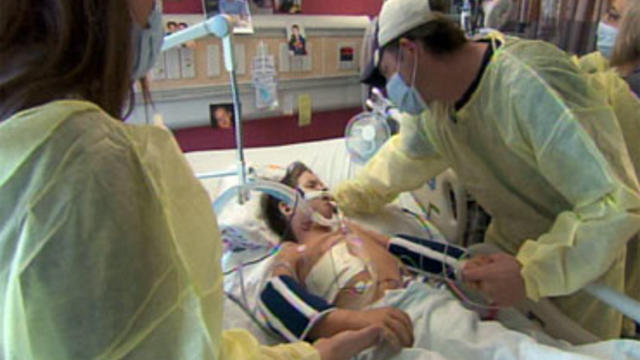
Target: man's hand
[(348, 344), (474, 263), (398, 329), (497, 276)]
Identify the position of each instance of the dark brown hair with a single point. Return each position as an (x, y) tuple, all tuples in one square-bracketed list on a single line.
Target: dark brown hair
[(53, 49), (276, 220)]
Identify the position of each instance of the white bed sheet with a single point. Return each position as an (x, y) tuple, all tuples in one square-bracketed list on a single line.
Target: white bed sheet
[(329, 159)]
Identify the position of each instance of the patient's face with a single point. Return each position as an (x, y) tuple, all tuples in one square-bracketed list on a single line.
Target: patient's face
[(323, 206)]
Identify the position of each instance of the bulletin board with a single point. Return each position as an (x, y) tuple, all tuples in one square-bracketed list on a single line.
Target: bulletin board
[(334, 51)]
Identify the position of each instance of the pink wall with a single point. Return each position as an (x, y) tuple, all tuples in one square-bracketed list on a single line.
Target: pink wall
[(309, 7), (341, 7), (182, 6), (268, 132)]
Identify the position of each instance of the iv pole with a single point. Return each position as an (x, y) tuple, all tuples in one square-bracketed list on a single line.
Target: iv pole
[(220, 26)]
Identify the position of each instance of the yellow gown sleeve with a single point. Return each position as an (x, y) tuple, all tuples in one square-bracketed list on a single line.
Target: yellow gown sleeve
[(240, 344), (575, 142), (626, 106), (404, 163), (593, 62)]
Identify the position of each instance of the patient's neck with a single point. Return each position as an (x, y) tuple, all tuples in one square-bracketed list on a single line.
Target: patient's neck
[(306, 235)]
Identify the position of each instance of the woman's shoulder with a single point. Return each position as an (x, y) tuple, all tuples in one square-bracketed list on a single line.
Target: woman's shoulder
[(82, 131)]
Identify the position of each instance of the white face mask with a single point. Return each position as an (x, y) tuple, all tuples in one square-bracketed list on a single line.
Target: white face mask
[(406, 98), (147, 44), (607, 35)]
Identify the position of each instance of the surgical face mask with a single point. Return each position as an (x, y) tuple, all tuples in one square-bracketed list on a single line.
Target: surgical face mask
[(607, 35), (406, 98), (147, 44)]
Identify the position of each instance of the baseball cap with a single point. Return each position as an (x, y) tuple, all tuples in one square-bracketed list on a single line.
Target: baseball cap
[(370, 73), (399, 16)]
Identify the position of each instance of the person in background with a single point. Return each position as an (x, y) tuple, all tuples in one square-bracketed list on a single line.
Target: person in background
[(172, 27), (626, 51), (524, 129), (606, 36), (608, 27), (297, 42), (109, 248), (189, 44)]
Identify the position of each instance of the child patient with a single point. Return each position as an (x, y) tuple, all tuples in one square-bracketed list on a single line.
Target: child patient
[(332, 275)]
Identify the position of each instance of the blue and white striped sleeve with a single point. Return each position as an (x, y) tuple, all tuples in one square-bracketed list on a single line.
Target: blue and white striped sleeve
[(289, 309), (427, 256)]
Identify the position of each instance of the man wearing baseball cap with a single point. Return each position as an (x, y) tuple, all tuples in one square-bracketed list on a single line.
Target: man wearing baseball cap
[(531, 139)]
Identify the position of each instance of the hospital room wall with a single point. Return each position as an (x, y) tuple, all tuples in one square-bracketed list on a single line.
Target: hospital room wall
[(333, 103), (268, 132), (309, 7)]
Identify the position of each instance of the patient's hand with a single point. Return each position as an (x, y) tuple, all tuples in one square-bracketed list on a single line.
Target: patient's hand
[(398, 329), (348, 344), (396, 324)]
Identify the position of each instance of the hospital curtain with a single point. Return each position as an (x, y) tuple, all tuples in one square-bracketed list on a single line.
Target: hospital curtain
[(570, 24)]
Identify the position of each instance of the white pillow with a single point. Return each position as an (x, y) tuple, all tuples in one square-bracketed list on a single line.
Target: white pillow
[(244, 226)]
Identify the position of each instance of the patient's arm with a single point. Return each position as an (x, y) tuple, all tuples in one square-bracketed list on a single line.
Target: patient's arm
[(296, 314), (398, 325), (286, 261)]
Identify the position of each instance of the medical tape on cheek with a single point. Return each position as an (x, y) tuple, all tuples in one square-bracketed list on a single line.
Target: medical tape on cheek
[(426, 256)]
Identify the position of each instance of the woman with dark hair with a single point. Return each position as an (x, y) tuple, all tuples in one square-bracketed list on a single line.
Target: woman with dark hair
[(108, 245)]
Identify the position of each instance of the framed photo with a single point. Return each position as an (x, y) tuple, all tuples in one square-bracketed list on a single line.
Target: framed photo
[(288, 6), (238, 10), (297, 40), (221, 116), (175, 23), (261, 7)]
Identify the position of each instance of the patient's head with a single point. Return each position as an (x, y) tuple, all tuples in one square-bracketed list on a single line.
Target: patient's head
[(278, 214)]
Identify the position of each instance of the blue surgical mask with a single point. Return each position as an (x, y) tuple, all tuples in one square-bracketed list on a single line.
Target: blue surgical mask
[(405, 97), (607, 35), (147, 44)]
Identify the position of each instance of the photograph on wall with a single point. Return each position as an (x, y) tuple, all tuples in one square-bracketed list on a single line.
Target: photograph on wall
[(238, 10), (288, 6), (261, 7), (173, 24), (297, 40), (221, 116), (346, 57)]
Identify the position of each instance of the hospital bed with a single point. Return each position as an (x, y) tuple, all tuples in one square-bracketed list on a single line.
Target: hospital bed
[(442, 199), (442, 202)]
